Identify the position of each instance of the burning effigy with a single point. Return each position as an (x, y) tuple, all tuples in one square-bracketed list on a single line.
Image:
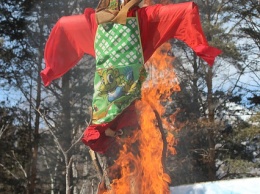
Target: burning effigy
[(128, 88)]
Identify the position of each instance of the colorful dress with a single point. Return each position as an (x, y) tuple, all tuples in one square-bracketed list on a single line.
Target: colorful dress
[(74, 36), (119, 63)]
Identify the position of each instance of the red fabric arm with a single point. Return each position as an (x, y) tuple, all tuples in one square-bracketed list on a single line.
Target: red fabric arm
[(71, 37), (160, 23)]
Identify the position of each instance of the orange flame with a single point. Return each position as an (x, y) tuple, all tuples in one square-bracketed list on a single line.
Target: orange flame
[(161, 84), (141, 160)]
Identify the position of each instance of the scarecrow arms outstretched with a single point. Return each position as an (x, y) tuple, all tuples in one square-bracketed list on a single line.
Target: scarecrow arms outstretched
[(72, 36)]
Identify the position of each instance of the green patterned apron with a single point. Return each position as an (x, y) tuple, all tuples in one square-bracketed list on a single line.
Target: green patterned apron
[(119, 69)]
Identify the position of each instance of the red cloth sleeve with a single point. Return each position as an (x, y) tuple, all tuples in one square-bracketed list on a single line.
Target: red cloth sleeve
[(71, 37), (159, 23)]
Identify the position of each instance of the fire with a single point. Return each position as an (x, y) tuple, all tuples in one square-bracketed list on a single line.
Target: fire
[(141, 159), (159, 88)]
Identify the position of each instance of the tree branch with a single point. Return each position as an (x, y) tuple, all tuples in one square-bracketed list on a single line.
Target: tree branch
[(3, 129), (8, 171), (19, 164)]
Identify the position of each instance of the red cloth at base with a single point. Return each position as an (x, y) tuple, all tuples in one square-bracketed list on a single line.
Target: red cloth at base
[(94, 136)]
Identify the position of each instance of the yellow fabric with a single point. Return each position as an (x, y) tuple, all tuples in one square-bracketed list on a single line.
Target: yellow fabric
[(113, 5)]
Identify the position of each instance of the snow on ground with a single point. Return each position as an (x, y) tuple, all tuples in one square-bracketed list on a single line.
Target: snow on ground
[(235, 186)]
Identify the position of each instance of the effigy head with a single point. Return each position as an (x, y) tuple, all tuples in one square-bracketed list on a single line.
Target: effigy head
[(115, 4), (123, 2), (114, 10)]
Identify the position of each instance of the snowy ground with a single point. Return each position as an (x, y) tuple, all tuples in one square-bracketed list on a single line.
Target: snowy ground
[(236, 186)]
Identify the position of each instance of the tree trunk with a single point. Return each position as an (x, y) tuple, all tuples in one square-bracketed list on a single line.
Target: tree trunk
[(68, 162), (195, 102), (66, 127), (36, 123), (211, 115), (211, 107), (36, 139)]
